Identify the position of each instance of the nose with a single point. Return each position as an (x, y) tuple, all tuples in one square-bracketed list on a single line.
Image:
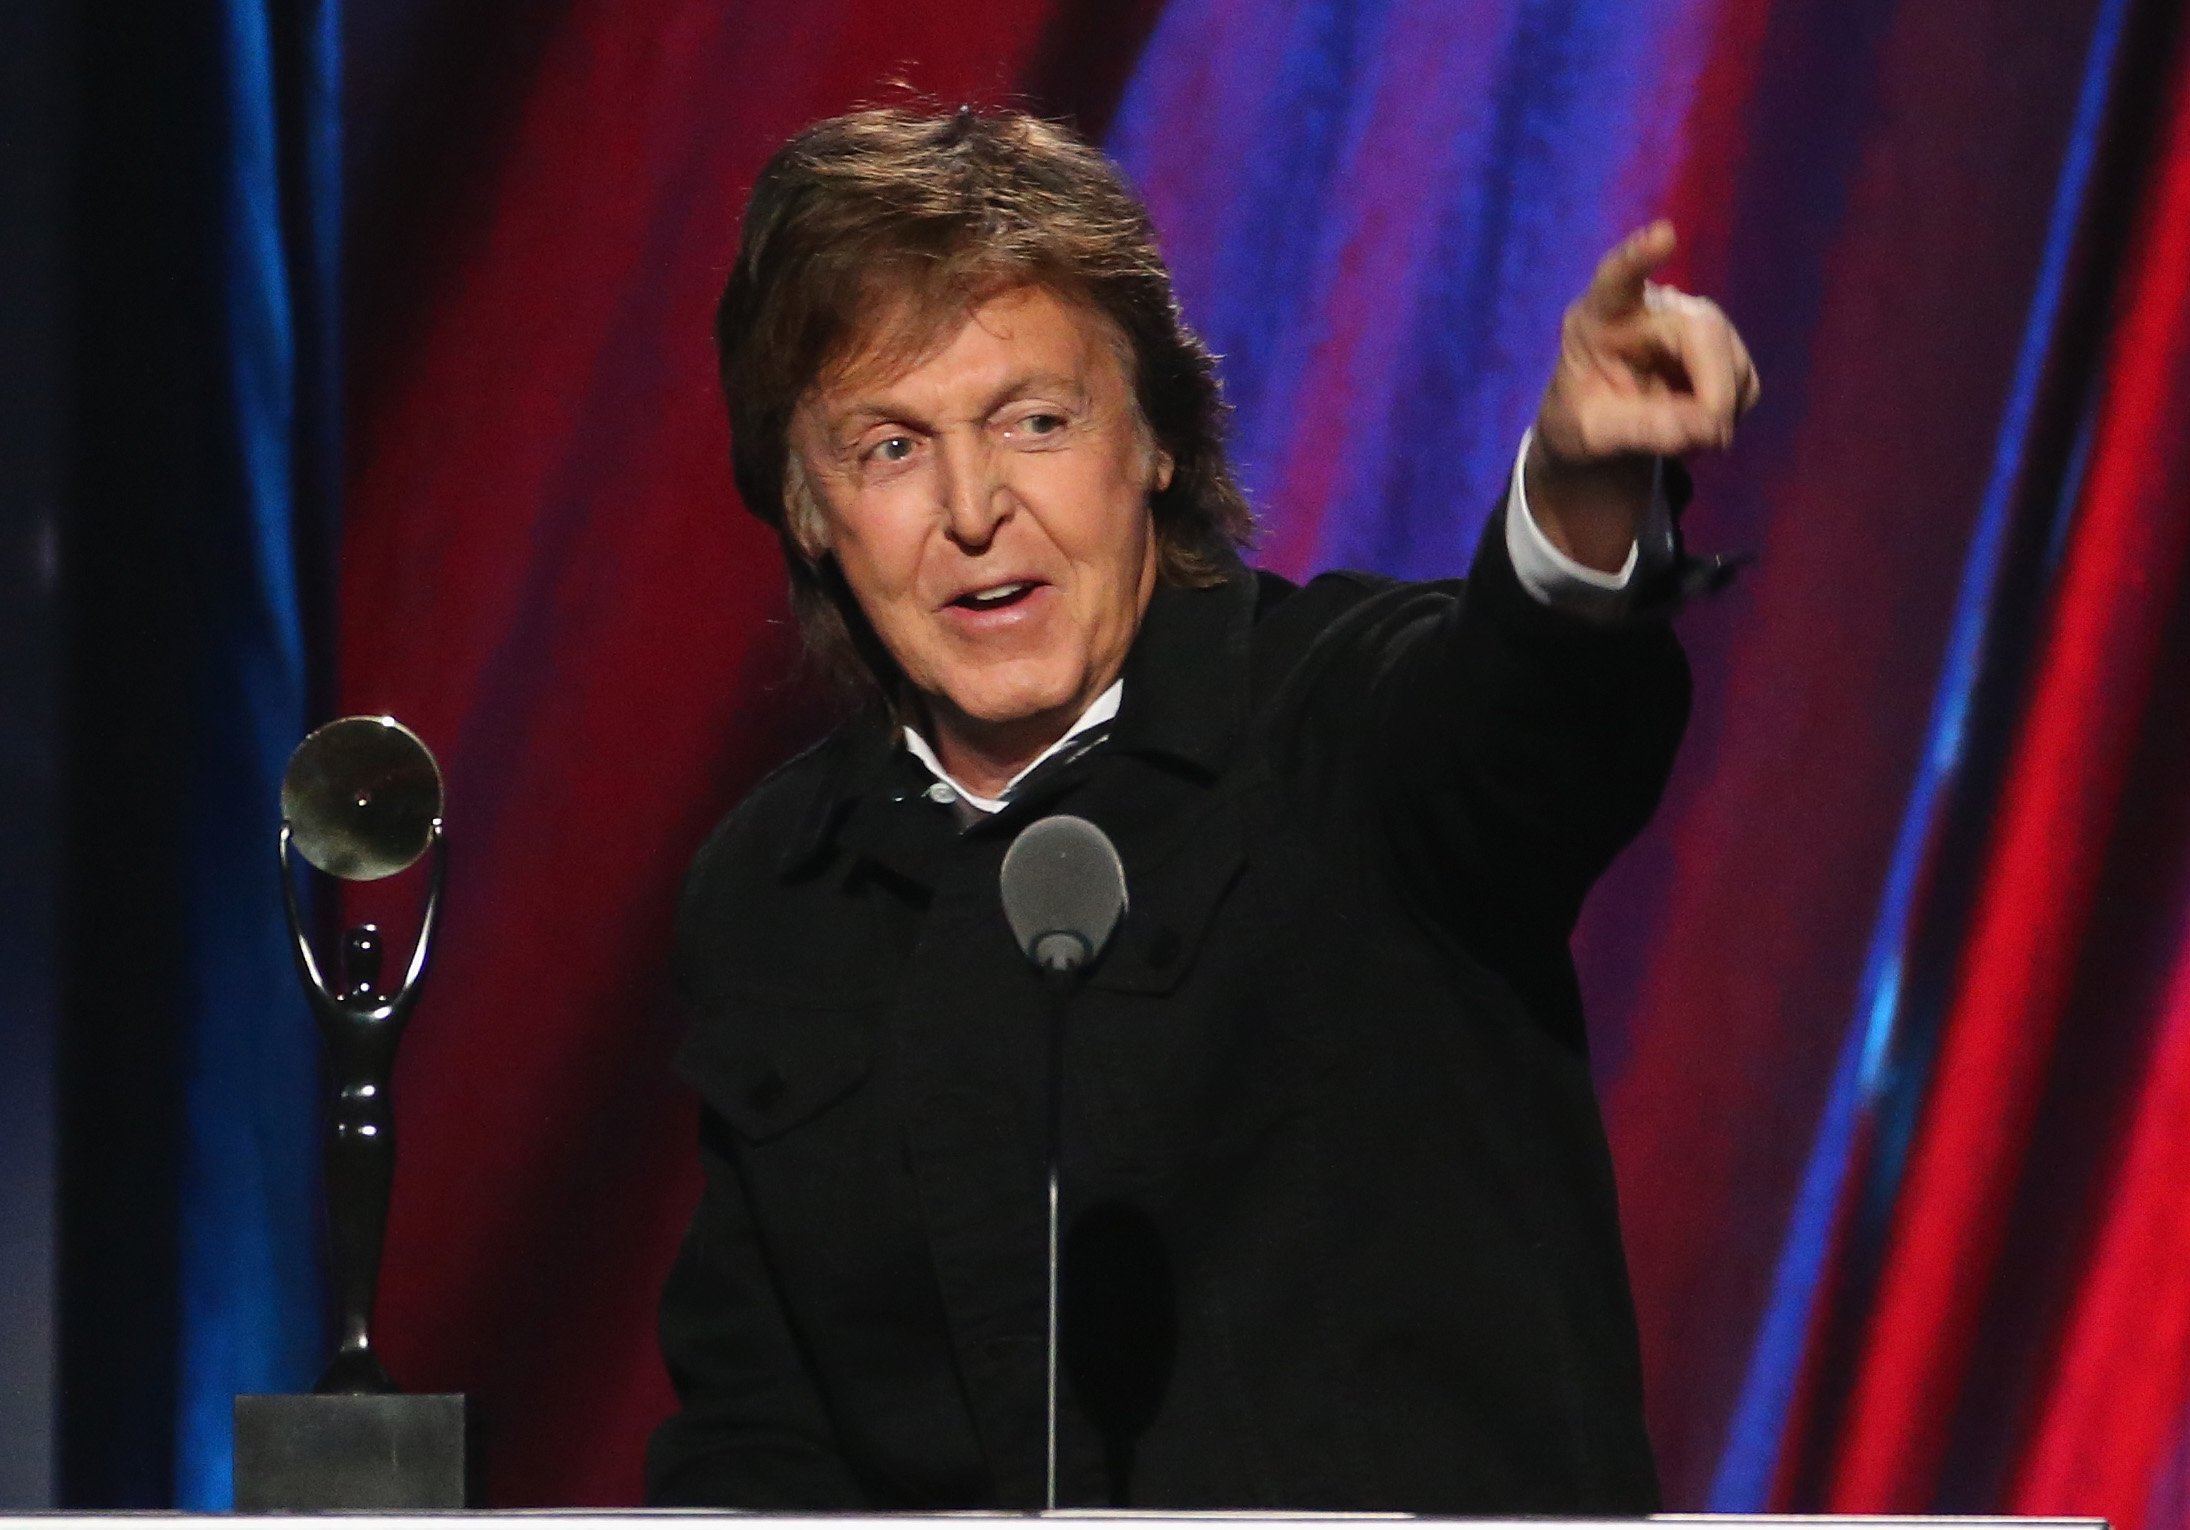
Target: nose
[(975, 500)]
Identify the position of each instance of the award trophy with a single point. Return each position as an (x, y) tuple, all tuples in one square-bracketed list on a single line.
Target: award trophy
[(361, 800)]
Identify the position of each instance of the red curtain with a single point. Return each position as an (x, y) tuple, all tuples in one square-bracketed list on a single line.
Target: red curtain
[(2116, 1391)]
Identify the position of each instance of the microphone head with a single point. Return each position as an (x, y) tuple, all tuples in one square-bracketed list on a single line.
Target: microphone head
[(1064, 891)]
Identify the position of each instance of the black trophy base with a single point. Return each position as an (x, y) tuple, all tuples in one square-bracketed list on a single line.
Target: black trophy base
[(351, 1451)]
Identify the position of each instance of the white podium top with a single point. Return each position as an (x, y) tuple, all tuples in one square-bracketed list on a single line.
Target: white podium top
[(651, 1519)]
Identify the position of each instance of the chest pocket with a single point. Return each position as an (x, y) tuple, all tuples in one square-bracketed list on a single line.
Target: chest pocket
[(767, 1066), (1172, 898)]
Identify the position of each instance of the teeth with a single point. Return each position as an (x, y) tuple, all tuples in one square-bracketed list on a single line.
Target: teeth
[(997, 596)]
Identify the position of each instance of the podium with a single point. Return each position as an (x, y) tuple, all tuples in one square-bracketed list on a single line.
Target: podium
[(1151, 1519)]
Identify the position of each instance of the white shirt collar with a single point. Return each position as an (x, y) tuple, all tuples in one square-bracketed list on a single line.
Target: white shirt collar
[(1099, 711)]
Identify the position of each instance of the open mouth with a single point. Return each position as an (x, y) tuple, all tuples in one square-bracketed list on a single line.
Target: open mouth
[(997, 597)]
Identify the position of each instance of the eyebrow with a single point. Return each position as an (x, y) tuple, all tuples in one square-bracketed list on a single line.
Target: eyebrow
[(868, 412)]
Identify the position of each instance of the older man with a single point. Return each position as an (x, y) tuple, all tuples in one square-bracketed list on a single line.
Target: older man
[(1329, 1147)]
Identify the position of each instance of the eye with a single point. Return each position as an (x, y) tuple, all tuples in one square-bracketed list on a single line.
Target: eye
[(1037, 425), (890, 449)]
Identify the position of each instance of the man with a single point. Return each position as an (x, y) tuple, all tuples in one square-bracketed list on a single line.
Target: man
[(1341, 1225)]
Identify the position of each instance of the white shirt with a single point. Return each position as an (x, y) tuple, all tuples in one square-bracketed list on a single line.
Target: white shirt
[(948, 788), (1548, 575)]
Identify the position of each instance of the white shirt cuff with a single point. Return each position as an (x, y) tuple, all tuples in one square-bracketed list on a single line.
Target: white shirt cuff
[(1556, 580)]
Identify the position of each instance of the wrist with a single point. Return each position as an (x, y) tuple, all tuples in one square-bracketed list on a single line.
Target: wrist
[(1591, 510)]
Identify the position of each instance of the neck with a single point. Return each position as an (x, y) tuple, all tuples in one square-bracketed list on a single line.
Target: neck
[(984, 757)]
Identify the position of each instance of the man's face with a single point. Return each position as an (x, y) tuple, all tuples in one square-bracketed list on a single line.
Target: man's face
[(989, 509)]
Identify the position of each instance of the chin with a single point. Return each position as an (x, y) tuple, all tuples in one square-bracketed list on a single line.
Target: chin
[(1001, 705)]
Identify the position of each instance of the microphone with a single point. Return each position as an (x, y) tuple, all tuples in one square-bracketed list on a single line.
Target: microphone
[(1064, 893)]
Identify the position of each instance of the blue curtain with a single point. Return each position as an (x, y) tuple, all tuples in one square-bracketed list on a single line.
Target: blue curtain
[(250, 1299), (202, 503), (1375, 211)]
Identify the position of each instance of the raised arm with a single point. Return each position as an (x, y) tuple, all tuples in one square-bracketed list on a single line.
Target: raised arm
[(1518, 745)]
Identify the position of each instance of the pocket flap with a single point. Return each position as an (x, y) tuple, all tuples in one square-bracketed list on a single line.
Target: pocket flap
[(766, 1066), (1171, 900)]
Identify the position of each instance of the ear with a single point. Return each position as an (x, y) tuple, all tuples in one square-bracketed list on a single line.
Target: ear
[(1159, 479)]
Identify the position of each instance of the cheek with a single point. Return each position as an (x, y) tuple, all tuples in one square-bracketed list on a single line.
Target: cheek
[(1133, 535), (876, 544), (1101, 516)]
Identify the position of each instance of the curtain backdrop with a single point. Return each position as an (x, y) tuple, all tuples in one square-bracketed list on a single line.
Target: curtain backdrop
[(1891, 1005), (200, 417)]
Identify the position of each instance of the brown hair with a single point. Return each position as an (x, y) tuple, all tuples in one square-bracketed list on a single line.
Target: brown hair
[(893, 216)]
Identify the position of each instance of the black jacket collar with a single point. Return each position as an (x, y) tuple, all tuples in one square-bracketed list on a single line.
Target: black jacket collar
[(1186, 680)]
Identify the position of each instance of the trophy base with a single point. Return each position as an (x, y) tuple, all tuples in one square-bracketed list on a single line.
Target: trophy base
[(342, 1452)]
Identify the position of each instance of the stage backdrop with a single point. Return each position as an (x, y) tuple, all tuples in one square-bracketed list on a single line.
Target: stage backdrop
[(1892, 1004)]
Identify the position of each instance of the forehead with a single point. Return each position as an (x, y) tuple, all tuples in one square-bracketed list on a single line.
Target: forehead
[(1018, 330)]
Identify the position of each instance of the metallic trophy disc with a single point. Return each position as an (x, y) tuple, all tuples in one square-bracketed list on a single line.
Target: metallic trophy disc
[(361, 797)]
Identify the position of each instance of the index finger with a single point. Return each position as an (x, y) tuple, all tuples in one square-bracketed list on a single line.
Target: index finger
[(1617, 288)]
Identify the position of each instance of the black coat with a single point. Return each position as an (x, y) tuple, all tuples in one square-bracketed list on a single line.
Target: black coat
[(1343, 1231)]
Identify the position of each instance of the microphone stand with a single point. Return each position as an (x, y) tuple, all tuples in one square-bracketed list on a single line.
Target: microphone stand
[(1059, 981), (1063, 890)]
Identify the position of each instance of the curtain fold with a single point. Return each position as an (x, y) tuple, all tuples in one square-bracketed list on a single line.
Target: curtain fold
[(251, 1313), (201, 499), (2092, 700)]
